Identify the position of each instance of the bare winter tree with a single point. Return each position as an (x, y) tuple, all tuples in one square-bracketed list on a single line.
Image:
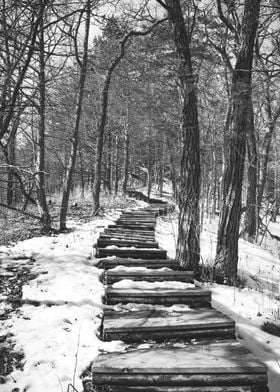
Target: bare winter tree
[(188, 245)]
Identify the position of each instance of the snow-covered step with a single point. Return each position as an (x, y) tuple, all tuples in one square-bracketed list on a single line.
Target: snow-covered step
[(148, 275), (132, 253), (124, 237), (103, 242), (138, 218), (160, 325), (194, 297), (117, 230), (109, 263), (133, 226), (222, 366)]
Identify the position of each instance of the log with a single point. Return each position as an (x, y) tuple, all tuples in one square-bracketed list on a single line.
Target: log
[(149, 275), (147, 263), (147, 254)]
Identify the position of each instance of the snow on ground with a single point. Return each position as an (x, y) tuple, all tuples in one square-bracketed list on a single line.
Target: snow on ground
[(57, 326), (249, 307)]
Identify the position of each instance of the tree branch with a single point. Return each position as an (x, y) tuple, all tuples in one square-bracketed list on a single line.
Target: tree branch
[(21, 211), (163, 5), (223, 18)]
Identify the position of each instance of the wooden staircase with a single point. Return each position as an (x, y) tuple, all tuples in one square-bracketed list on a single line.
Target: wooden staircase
[(191, 346)]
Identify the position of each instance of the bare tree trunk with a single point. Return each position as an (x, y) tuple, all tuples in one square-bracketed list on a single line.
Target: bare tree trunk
[(251, 214), (228, 231), (126, 155), (117, 165), (82, 174), (188, 245), (78, 110), (11, 155), (40, 156)]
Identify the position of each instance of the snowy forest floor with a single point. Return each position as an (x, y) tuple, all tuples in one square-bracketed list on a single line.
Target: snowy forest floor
[(51, 299)]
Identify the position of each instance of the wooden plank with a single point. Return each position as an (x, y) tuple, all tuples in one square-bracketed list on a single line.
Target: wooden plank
[(258, 381), (117, 229), (167, 335), (228, 357), (149, 276), (133, 226), (161, 325), (136, 219), (134, 223), (130, 237), (147, 254), (102, 243), (195, 297), (159, 320), (163, 388), (147, 263)]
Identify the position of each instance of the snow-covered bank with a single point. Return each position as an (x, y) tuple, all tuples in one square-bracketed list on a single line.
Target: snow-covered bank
[(249, 307)]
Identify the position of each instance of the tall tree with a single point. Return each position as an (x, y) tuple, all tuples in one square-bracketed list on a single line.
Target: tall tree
[(228, 231), (78, 111), (188, 245)]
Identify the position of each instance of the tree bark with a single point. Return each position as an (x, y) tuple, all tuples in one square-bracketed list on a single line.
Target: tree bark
[(126, 156), (228, 231), (251, 214), (188, 245)]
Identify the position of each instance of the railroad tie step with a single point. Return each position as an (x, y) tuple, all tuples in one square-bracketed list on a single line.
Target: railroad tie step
[(194, 297), (149, 275), (127, 237), (120, 231), (109, 263), (133, 226), (162, 325), (219, 366), (132, 253), (103, 243)]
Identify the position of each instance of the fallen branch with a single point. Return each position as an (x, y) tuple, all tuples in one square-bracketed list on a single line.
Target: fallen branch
[(21, 211)]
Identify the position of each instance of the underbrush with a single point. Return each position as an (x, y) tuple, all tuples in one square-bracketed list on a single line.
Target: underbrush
[(15, 226), (272, 328)]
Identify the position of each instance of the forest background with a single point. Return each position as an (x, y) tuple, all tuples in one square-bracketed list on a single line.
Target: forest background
[(104, 96)]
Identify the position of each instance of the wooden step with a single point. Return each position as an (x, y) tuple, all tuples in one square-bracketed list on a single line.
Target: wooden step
[(160, 325), (134, 222), (125, 237), (138, 218), (146, 214), (102, 243), (148, 263), (118, 230), (132, 253), (149, 276), (194, 297), (163, 388), (221, 365), (133, 227)]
